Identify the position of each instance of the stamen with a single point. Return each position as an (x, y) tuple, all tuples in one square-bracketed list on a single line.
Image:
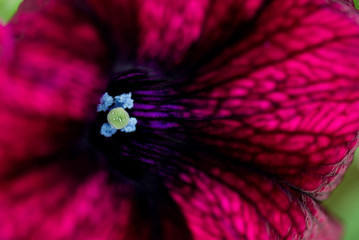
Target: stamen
[(107, 130), (124, 101), (131, 127), (105, 102)]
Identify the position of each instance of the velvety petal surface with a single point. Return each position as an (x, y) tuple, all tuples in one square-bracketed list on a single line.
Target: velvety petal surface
[(6, 46), (51, 82), (64, 201), (285, 98), (73, 196), (167, 34), (222, 205)]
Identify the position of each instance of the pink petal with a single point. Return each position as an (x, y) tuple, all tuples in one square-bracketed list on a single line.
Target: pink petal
[(64, 201), (72, 196), (285, 99), (52, 80), (6, 45), (172, 30), (221, 205), (164, 33)]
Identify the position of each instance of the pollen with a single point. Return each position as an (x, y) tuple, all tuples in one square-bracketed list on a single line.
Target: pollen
[(118, 118)]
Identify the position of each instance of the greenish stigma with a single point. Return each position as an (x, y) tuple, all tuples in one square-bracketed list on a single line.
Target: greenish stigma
[(118, 118)]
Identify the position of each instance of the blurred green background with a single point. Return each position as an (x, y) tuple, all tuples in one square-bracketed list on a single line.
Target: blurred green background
[(8, 8), (343, 203)]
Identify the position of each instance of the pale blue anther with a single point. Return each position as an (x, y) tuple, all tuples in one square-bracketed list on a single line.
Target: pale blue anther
[(107, 130), (131, 127), (105, 102), (124, 101)]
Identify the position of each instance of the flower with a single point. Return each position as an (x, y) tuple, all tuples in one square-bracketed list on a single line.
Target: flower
[(247, 117)]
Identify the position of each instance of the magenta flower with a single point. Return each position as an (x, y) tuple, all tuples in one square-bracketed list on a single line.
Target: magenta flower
[(247, 115)]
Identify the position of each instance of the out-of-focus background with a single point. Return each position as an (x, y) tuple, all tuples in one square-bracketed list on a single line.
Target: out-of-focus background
[(344, 201), (7, 9)]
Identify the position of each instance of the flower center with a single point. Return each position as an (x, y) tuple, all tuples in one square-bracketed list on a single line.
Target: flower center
[(117, 118), (156, 141)]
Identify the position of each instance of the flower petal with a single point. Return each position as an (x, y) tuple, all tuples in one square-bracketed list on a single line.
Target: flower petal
[(164, 33), (51, 82), (63, 201), (73, 197), (221, 205), (169, 31), (285, 99), (6, 46)]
